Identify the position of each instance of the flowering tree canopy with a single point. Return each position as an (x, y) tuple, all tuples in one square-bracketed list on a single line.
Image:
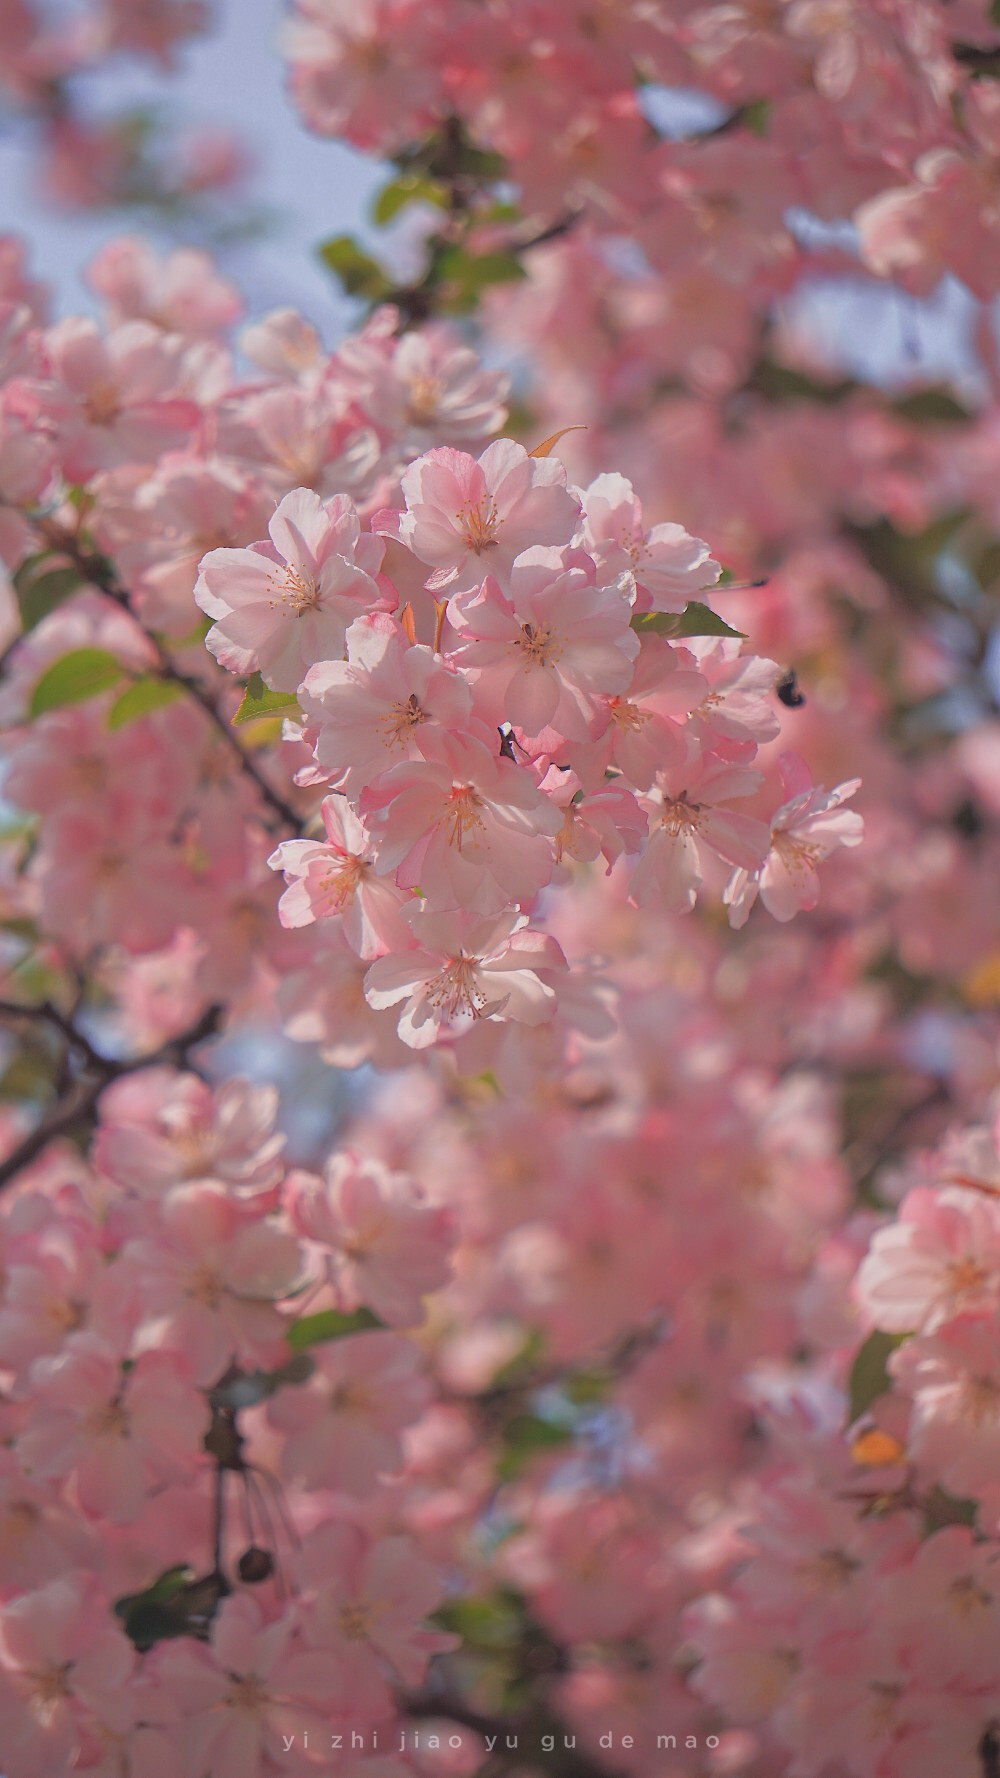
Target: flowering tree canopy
[(564, 712)]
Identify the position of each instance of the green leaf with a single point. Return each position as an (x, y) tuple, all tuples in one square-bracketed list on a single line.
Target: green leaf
[(177, 1604), (585, 1388), (782, 383), (409, 188), (451, 153), (524, 1437), (27, 1076), (908, 560), (493, 1621), (482, 164), (988, 565), (166, 1586), (930, 407), (74, 678), (942, 1508), (259, 701), (467, 275), (520, 1367), (41, 591), (195, 635), (359, 273), (756, 116), (19, 927), (694, 620), (329, 1324), (869, 1377), (141, 697), (152, 1616)]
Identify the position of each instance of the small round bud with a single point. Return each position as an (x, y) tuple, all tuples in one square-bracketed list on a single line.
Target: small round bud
[(255, 1565)]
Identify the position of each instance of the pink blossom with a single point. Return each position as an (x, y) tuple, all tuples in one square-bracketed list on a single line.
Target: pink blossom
[(253, 1696), (119, 1433), (374, 708), (578, 1598), (337, 880), (64, 1664), (55, 1283), (645, 728), (190, 505), (747, 1664), (689, 819), (345, 81), (422, 388), (816, 1558), (383, 1245), (940, 1256), (670, 568), (607, 822), (468, 518), (42, 1537), (100, 884), (210, 1279), (118, 399), (739, 710), (283, 343), (370, 1598), (952, 1377), (945, 1605), (279, 606), (342, 1428), (325, 1005), (466, 827), (156, 30), (16, 283), (805, 830), (542, 658), (180, 293), (302, 433), (463, 969), (160, 1128), (916, 232)]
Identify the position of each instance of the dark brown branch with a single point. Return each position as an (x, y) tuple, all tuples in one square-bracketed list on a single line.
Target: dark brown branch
[(554, 231), (99, 573), (49, 1014), (529, 1727), (81, 1100)]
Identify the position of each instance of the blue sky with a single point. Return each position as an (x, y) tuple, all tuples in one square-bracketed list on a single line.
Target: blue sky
[(234, 79), (313, 188)]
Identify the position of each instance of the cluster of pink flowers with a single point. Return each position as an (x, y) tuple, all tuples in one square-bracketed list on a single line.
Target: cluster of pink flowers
[(547, 721), (91, 159), (872, 111), (861, 1617), (693, 1447), (148, 1303)]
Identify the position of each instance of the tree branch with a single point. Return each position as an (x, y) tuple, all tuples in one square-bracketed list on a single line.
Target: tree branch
[(49, 1014), (81, 1100), (572, 1762), (98, 572)]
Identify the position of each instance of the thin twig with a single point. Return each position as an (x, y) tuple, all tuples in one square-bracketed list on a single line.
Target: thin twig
[(99, 573), (81, 1100), (49, 1014)]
